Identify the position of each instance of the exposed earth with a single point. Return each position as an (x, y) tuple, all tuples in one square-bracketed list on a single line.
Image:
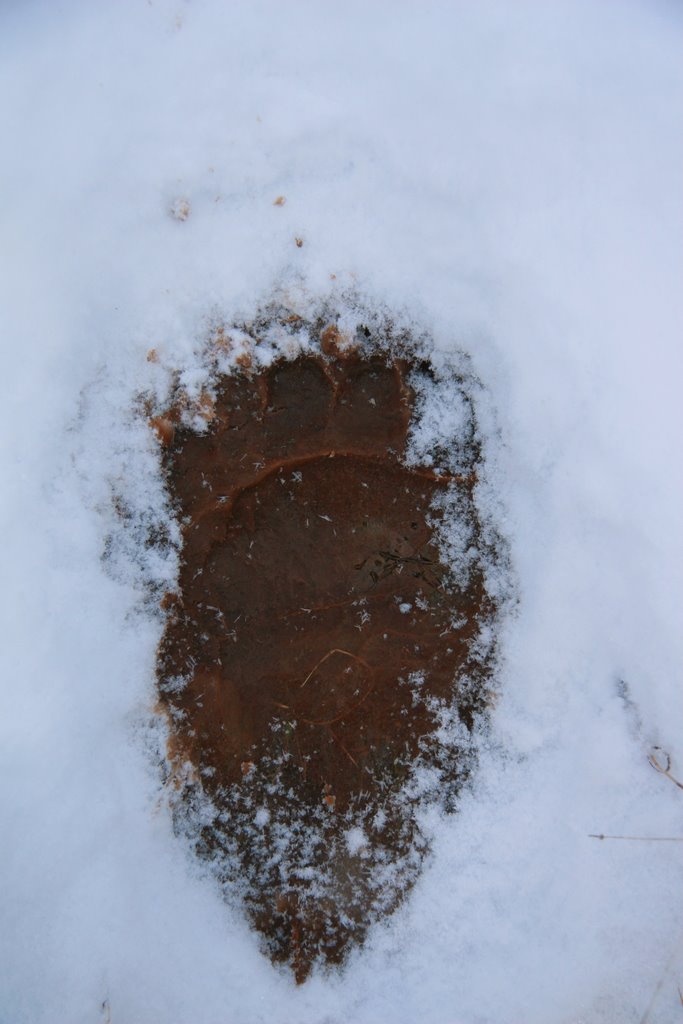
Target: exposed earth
[(317, 642)]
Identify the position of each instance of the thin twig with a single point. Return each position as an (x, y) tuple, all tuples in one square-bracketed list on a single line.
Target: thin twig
[(338, 741), (641, 839), (335, 650), (664, 770)]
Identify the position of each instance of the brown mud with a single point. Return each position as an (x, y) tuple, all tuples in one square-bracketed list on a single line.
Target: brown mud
[(315, 643)]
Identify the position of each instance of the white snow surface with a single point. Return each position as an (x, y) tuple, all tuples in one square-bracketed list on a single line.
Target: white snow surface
[(509, 176)]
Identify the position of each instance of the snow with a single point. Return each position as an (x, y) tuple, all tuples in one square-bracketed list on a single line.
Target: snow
[(507, 176), (356, 840)]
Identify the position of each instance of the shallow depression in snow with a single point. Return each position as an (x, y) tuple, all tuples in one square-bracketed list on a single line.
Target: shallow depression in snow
[(311, 500)]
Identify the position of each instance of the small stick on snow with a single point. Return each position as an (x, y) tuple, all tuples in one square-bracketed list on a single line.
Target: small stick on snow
[(641, 839), (664, 770)]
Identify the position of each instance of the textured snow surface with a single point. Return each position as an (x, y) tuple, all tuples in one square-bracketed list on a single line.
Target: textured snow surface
[(507, 176)]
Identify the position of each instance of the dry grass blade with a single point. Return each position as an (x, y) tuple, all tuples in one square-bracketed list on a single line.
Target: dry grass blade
[(664, 769), (640, 839), (335, 650)]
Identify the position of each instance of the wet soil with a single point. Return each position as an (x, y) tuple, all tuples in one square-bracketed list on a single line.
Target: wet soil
[(313, 644)]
